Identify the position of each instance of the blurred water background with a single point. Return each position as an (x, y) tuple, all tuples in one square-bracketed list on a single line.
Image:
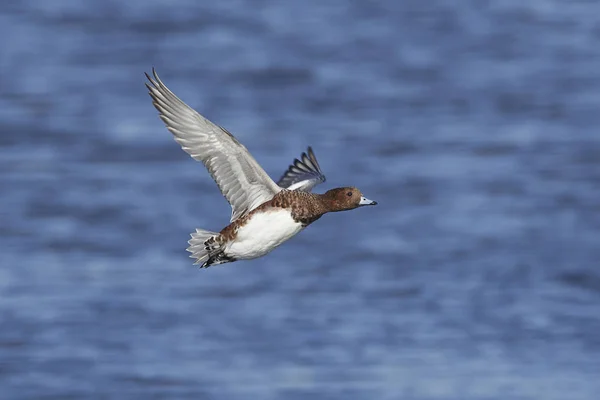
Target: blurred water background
[(472, 123)]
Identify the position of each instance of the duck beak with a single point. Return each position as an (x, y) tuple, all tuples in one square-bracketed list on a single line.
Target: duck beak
[(366, 202)]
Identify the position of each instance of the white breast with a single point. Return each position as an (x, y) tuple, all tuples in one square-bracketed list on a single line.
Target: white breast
[(262, 233)]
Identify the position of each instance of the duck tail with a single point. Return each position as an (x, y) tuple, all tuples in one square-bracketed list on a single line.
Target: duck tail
[(202, 246)]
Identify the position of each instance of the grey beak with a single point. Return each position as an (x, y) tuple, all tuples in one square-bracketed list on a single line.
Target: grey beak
[(366, 202)]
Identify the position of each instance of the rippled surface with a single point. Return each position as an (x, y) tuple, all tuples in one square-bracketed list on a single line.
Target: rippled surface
[(473, 124)]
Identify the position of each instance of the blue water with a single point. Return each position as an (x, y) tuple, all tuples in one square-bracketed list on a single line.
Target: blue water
[(474, 124)]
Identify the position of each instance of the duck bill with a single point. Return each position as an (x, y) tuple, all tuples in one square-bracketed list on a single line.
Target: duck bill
[(366, 202)]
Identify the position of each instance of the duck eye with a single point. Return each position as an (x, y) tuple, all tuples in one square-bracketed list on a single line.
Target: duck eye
[(349, 194)]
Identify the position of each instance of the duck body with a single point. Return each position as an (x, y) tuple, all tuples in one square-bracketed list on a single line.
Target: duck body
[(263, 229), (262, 233)]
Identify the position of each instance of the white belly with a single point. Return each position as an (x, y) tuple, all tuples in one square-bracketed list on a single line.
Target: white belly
[(262, 233)]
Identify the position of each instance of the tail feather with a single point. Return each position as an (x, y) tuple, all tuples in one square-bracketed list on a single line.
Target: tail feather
[(201, 250)]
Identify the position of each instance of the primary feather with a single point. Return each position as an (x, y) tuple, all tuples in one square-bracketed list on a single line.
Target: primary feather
[(240, 178), (303, 174)]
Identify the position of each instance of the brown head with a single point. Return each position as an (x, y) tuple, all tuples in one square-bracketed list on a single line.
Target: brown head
[(345, 198)]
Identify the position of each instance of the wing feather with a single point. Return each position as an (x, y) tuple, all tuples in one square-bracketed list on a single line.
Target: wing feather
[(240, 178), (303, 174)]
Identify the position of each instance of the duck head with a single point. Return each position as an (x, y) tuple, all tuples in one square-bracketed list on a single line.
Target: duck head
[(345, 198)]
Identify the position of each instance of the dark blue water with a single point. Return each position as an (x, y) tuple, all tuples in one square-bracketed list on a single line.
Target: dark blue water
[(474, 124)]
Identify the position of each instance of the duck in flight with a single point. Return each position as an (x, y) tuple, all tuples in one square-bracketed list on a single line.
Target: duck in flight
[(264, 214)]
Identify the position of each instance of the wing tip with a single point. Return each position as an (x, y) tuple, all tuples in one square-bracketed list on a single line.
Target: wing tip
[(306, 164), (154, 79)]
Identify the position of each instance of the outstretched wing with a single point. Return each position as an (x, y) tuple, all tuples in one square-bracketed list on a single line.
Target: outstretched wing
[(240, 178), (304, 174)]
